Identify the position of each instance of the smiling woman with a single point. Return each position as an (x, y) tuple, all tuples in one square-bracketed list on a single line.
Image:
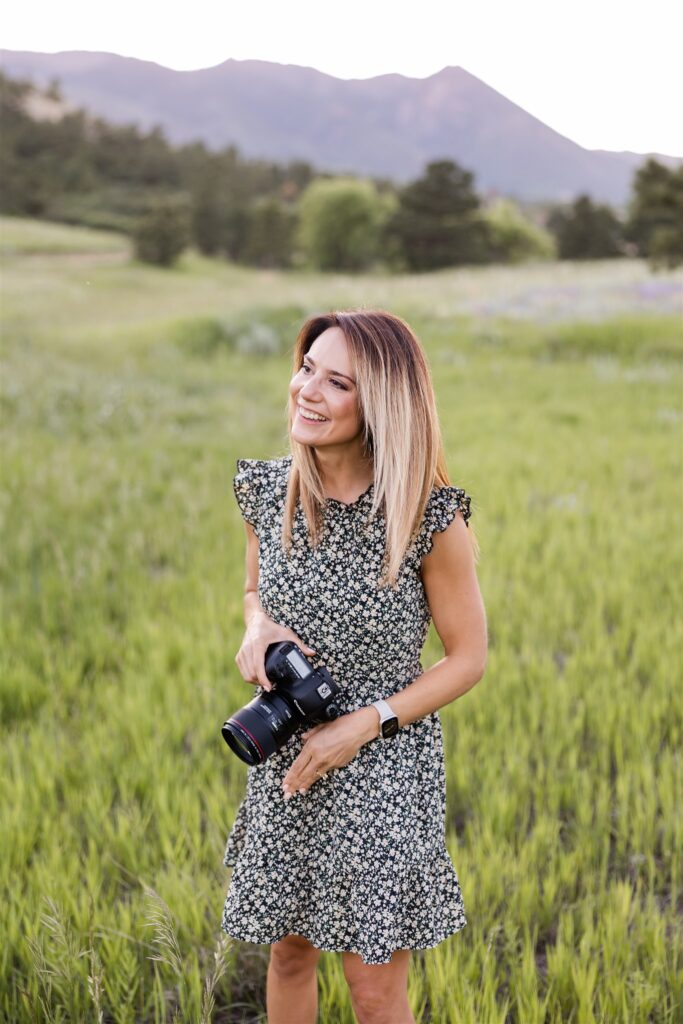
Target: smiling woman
[(355, 540)]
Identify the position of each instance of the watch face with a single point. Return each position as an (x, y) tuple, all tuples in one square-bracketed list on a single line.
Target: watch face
[(390, 727)]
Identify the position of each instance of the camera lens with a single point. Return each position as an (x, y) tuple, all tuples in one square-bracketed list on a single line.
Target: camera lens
[(242, 744), (260, 728)]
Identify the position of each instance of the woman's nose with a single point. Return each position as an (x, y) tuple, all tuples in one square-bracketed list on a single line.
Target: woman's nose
[(310, 388)]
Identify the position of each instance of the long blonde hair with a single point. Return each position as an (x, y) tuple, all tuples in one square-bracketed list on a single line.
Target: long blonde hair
[(400, 424)]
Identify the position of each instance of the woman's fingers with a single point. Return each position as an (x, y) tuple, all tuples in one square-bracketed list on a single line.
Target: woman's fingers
[(302, 774), (259, 676), (313, 761), (304, 647), (248, 662), (251, 657)]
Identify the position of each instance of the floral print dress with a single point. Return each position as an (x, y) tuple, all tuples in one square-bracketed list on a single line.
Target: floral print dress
[(359, 861)]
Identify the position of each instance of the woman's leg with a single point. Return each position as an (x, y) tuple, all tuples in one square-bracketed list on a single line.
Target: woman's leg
[(292, 981), (379, 992)]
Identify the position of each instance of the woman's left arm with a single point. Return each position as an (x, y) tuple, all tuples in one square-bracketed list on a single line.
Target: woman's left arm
[(455, 602), (450, 581)]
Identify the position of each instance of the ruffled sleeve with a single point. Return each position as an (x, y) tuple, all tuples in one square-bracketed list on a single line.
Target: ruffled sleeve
[(442, 507), (247, 485)]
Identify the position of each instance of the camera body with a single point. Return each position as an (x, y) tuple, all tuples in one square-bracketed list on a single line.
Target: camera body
[(300, 694)]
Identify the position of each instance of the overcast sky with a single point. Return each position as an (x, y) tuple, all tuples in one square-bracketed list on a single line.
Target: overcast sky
[(605, 73)]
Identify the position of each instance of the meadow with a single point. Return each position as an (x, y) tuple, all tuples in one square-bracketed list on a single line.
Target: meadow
[(128, 393)]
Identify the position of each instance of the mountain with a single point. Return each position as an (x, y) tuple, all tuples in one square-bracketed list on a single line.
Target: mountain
[(388, 126)]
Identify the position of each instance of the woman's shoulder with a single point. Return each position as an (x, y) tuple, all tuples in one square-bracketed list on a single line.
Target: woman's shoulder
[(443, 504), (262, 473), (445, 495), (257, 485), (264, 466)]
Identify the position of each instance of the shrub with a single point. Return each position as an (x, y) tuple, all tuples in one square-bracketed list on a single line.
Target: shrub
[(341, 222), (513, 238), (261, 332), (163, 232)]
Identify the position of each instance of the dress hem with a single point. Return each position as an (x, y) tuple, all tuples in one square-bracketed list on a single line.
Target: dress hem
[(337, 948)]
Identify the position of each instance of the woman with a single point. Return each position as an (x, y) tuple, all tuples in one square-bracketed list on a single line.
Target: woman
[(353, 542)]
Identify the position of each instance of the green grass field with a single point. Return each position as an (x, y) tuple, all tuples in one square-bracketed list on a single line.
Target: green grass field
[(127, 395)]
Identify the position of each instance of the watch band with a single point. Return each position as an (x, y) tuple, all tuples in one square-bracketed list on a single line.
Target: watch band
[(388, 719)]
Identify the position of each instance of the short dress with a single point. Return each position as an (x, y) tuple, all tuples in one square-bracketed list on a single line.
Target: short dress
[(359, 861)]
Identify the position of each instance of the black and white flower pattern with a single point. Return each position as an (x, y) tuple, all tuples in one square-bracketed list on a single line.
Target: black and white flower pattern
[(359, 861)]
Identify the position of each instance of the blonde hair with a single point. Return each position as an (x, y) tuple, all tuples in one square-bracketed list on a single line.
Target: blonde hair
[(400, 424)]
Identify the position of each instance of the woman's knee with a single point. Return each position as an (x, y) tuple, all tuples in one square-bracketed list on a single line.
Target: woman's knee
[(293, 955), (379, 991)]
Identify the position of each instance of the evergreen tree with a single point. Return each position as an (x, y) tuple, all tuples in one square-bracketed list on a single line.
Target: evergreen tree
[(221, 190), (163, 232), (655, 221), (586, 231), (270, 232), (209, 207), (438, 223)]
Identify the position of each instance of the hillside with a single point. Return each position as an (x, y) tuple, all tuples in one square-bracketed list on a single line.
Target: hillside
[(388, 126)]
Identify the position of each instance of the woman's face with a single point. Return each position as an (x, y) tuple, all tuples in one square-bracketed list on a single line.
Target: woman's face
[(325, 387)]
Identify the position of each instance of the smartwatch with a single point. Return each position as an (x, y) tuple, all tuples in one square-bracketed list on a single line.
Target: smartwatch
[(388, 719)]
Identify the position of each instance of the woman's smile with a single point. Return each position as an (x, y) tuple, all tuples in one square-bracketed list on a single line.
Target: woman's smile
[(311, 417)]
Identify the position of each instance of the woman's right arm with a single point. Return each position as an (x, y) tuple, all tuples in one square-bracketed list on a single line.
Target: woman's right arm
[(260, 629), (252, 605)]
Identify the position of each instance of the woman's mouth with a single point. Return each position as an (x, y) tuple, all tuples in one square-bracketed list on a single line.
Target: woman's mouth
[(310, 417)]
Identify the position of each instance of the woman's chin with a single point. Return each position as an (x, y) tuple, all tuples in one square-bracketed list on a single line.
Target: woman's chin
[(301, 438)]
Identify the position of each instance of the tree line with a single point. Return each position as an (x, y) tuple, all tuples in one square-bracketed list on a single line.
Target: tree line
[(82, 170)]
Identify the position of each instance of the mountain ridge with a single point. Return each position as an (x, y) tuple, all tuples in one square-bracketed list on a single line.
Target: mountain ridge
[(388, 125)]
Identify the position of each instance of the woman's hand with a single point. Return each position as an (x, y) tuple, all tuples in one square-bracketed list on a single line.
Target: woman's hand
[(330, 745), (251, 657)]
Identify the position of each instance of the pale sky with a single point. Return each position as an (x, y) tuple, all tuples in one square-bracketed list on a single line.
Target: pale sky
[(605, 73)]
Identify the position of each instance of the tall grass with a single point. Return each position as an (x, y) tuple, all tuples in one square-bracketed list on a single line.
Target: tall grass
[(122, 573)]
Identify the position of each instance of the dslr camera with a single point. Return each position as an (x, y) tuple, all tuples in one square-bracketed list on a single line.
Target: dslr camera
[(300, 694)]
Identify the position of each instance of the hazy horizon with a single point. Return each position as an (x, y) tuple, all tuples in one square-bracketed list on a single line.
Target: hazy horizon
[(612, 82)]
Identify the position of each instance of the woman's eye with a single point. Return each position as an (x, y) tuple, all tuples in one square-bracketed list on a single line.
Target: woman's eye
[(305, 368)]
